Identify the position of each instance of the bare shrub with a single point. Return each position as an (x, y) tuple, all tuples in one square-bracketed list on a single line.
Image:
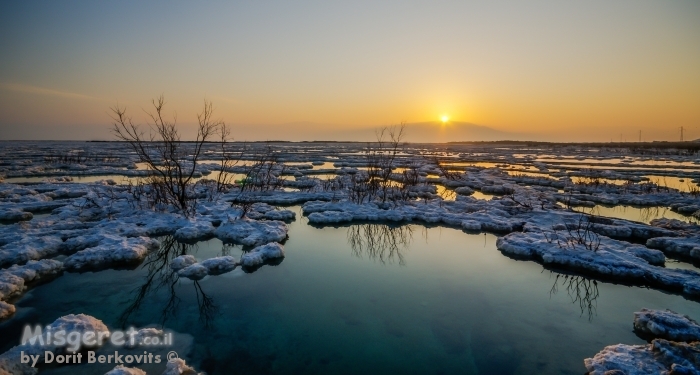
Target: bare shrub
[(99, 202), (581, 233), (449, 173), (380, 157), (578, 233), (171, 161), (524, 203), (262, 176), (360, 189), (265, 173), (410, 179), (225, 179)]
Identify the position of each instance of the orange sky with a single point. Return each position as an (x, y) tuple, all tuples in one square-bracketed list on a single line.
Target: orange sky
[(594, 71)]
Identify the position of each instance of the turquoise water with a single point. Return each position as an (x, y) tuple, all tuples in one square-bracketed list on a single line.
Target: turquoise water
[(360, 299)]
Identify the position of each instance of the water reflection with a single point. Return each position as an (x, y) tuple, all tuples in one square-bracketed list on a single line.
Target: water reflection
[(445, 193), (640, 214), (457, 307), (161, 277), (581, 290), (207, 308), (381, 242)]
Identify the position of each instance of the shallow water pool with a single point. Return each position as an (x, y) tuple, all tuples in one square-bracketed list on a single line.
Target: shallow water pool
[(367, 298), (640, 214)]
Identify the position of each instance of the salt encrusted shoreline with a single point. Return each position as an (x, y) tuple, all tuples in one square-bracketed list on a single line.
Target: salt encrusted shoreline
[(674, 349), (111, 232), (187, 266), (10, 361), (97, 225)]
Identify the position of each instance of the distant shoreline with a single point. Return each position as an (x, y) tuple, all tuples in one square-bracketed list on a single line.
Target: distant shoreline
[(689, 145)]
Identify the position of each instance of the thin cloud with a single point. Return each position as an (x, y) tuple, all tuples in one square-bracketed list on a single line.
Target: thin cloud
[(18, 87)]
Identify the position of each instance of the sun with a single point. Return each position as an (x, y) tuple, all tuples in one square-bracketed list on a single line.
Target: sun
[(445, 118)]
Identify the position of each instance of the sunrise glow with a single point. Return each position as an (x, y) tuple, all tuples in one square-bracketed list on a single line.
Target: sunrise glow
[(285, 72), (361, 187)]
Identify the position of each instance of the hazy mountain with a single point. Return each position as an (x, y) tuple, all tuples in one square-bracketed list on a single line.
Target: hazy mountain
[(415, 132), (454, 131)]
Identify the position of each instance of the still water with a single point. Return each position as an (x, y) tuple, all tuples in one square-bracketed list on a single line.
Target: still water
[(360, 299), (640, 214)]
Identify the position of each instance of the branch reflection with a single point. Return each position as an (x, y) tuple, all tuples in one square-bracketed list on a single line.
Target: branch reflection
[(207, 308), (160, 276), (581, 290), (380, 242)]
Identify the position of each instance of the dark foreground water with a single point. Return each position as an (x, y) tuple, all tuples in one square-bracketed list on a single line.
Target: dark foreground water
[(363, 299)]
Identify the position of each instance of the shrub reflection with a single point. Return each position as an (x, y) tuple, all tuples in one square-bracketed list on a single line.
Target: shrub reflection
[(582, 291), (381, 242)]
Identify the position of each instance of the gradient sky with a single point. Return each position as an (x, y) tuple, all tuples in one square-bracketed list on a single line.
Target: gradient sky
[(549, 70)]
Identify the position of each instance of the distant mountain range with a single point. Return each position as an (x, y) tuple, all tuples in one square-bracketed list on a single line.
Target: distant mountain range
[(455, 132), (422, 132)]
